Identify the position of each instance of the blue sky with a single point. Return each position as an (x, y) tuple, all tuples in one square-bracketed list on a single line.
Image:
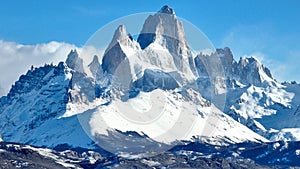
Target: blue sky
[(269, 29)]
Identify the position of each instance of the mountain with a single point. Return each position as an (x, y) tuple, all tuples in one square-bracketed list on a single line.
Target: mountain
[(250, 94), (31, 112), (165, 29), (74, 62), (151, 94)]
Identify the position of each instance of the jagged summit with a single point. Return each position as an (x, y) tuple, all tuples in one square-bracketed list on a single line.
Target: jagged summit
[(74, 62), (253, 72), (164, 24), (120, 36), (114, 54), (246, 70), (165, 29), (166, 9), (226, 52), (95, 67), (95, 60), (72, 57)]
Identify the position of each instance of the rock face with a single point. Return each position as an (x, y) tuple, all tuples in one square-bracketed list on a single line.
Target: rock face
[(114, 55), (37, 101), (94, 65), (153, 79), (221, 63), (164, 24), (253, 72), (165, 28), (74, 62), (95, 68)]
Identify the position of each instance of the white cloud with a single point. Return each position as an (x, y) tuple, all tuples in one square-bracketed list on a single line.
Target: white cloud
[(17, 59)]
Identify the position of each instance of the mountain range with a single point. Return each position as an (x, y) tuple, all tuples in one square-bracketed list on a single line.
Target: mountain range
[(154, 94)]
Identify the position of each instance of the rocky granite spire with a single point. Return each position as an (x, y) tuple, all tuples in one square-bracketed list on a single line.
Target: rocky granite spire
[(221, 63), (165, 29), (120, 37), (164, 23), (74, 62), (95, 67), (114, 54)]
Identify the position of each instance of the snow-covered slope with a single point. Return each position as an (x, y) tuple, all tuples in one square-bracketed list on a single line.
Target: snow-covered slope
[(31, 111), (44, 111), (271, 110), (249, 94)]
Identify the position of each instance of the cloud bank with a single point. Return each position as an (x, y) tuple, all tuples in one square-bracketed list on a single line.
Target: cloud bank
[(16, 59)]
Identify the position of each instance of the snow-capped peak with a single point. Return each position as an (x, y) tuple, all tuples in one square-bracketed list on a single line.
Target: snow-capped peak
[(253, 72), (221, 63)]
